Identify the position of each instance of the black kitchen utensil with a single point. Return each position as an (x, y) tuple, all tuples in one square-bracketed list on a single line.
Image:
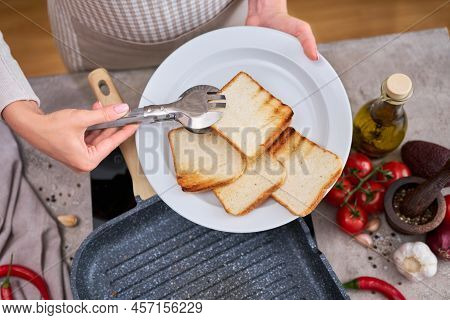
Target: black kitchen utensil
[(151, 252)]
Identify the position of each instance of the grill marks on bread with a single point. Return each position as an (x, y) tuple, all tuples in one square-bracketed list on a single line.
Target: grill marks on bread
[(310, 171), (253, 118), (256, 155)]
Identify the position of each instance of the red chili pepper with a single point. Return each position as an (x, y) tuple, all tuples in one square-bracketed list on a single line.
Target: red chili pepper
[(29, 275), (375, 284), (6, 290)]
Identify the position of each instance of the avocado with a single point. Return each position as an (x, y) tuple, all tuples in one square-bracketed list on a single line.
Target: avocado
[(424, 158)]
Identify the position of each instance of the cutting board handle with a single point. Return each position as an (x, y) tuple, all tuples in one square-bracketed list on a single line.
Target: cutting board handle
[(107, 94)]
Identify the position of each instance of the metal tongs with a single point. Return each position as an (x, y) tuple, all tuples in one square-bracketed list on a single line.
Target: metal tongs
[(197, 109)]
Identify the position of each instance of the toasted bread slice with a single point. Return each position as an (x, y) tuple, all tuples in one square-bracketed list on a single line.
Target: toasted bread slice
[(253, 118), (310, 171), (204, 161), (261, 177)]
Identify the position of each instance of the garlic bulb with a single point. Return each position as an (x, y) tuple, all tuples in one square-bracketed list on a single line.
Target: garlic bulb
[(415, 261)]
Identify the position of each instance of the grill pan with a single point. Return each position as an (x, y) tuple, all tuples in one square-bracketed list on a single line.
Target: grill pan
[(151, 252)]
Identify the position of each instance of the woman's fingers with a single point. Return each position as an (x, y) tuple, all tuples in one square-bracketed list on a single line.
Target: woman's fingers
[(100, 143), (308, 41), (97, 105), (303, 32), (296, 27), (88, 118), (105, 132), (102, 148), (89, 136)]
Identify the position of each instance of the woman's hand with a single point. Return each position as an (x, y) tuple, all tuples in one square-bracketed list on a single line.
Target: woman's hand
[(273, 14), (62, 134)]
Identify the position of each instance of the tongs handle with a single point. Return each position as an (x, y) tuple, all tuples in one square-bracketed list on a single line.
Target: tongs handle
[(147, 114), (107, 94)]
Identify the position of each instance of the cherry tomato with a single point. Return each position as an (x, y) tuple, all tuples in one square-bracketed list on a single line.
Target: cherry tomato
[(352, 219), (371, 197), (392, 171), (339, 191), (357, 164), (447, 214)]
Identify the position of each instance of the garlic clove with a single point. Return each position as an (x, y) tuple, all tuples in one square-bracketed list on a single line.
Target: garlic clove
[(68, 220), (373, 224), (364, 239)]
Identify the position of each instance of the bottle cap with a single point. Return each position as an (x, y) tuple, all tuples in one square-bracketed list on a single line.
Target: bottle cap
[(398, 87)]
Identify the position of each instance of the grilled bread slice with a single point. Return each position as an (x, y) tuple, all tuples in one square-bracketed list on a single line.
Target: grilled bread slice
[(310, 171), (204, 161), (253, 118), (261, 177)]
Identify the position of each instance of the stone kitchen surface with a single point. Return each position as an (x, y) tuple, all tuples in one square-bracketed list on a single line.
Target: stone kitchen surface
[(362, 65)]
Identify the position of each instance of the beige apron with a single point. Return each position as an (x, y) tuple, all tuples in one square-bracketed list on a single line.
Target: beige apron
[(98, 49)]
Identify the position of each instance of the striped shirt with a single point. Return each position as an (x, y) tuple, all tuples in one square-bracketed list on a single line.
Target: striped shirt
[(137, 21), (140, 21)]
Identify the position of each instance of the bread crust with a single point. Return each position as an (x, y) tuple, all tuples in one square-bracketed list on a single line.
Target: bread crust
[(316, 201), (263, 197), (189, 181)]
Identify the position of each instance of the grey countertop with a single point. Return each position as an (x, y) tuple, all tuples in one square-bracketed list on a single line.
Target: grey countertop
[(362, 66)]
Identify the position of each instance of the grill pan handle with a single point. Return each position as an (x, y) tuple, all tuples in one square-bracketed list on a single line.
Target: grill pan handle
[(107, 94)]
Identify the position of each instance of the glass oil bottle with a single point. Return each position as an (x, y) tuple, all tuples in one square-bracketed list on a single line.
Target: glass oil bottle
[(380, 125)]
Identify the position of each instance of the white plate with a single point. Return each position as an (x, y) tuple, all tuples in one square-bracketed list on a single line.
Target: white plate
[(276, 61)]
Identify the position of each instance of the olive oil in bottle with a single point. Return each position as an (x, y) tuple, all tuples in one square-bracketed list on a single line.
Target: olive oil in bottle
[(380, 125)]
